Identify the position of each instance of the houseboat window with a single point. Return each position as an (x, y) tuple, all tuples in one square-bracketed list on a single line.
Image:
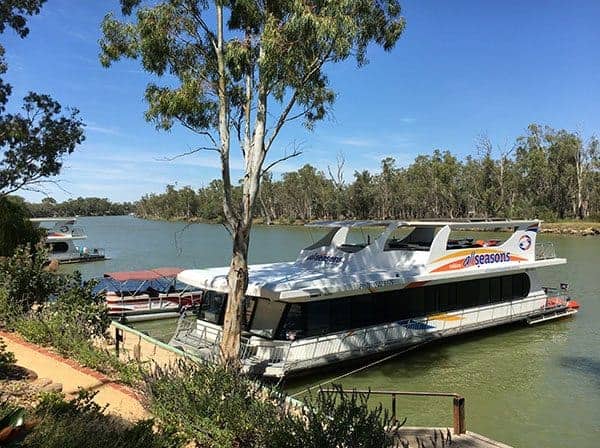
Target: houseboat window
[(341, 315), (495, 289), (60, 247), (212, 308), (267, 316), (329, 316), (248, 306), (317, 317), (293, 323), (507, 290)]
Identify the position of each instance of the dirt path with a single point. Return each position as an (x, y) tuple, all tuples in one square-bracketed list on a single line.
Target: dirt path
[(121, 400)]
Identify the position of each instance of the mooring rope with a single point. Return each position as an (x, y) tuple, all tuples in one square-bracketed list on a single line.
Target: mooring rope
[(365, 367)]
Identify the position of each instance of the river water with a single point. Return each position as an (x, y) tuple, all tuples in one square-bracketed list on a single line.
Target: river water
[(526, 386)]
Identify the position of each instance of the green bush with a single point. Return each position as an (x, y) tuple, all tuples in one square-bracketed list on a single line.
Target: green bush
[(219, 408), (75, 315), (7, 359), (83, 423), (25, 282), (15, 227), (342, 420), (215, 407)]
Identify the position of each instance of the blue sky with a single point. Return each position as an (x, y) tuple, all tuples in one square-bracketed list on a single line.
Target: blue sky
[(462, 68)]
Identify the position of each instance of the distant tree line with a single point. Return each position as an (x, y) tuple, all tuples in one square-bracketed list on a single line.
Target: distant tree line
[(547, 173), (49, 207)]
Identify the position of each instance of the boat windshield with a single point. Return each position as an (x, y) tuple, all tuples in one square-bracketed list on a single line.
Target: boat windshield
[(409, 238), (349, 239), (212, 307), (266, 317)]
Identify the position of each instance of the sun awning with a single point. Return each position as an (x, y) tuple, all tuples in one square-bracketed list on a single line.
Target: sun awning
[(149, 274)]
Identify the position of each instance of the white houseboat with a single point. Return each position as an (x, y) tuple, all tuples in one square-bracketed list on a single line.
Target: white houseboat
[(342, 300), (64, 241)]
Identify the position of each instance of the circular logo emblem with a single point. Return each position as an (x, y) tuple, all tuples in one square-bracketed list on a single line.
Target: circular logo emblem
[(525, 242)]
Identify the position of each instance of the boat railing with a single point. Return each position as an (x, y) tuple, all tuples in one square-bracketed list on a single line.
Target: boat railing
[(545, 251), (458, 402), (77, 232), (267, 351)]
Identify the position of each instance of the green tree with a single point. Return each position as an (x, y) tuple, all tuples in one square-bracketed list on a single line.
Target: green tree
[(15, 227), (224, 79), (34, 140)]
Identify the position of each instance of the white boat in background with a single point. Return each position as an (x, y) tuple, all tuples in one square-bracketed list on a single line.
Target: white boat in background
[(64, 241), (145, 295), (342, 300)]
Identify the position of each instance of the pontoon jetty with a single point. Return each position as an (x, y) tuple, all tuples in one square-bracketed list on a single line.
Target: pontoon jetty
[(341, 299)]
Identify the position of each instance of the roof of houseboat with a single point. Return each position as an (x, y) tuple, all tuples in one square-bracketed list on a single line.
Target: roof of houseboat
[(334, 266), (148, 274), (61, 220), (453, 224)]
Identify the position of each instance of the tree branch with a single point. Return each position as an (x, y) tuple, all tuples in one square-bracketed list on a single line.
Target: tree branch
[(187, 153), (295, 153)]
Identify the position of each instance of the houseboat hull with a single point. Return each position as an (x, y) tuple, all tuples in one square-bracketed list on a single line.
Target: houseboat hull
[(279, 359)]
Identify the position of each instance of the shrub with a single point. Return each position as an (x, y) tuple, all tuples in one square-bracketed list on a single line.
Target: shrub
[(74, 316), (216, 407), (7, 359), (342, 420), (81, 422), (25, 282)]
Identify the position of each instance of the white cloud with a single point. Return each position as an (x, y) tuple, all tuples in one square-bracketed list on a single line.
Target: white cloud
[(358, 142), (103, 130)]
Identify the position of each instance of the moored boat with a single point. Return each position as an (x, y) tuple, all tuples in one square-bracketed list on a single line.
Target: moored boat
[(342, 299), (64, 241), (146, 295)]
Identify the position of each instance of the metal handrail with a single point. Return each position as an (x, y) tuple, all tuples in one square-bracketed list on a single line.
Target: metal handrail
[(545, 251), (458, 402)]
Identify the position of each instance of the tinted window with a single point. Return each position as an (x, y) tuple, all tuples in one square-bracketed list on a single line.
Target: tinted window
[(60, 247), (362, 311), (507, 288), (495, 289), (293, 324), (317, 318), (329, 316), (266, 317), (341, 315), (212, 307)]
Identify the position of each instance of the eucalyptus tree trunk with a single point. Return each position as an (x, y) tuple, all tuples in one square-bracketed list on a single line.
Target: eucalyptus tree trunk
[(239, 218), (237, 280)]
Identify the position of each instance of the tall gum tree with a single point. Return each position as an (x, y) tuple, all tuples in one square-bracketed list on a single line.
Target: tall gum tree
[(242, 70)]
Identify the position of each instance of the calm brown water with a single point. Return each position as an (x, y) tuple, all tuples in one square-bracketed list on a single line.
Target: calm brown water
[(526, 386)]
